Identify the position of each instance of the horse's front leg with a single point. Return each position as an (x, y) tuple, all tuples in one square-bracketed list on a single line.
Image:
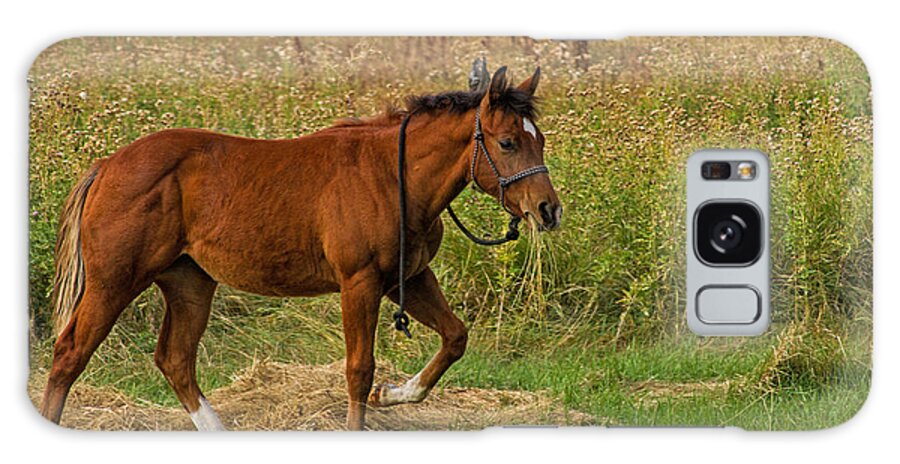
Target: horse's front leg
[(360, 297), (426, 304)]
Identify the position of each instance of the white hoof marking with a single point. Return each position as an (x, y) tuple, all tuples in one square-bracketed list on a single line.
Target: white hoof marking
[(409, 392), (205, 419)]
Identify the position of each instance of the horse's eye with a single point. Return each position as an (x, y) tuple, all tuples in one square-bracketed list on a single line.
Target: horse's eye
[(507, 144)]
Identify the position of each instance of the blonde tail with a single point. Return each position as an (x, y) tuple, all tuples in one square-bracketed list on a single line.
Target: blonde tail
[(68, 281)]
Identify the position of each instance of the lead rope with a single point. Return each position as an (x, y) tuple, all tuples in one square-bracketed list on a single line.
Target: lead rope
[(401, 320), (512, 232)]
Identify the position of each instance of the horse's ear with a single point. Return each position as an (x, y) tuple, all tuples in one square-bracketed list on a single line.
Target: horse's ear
[(530, 84), (498, 84)]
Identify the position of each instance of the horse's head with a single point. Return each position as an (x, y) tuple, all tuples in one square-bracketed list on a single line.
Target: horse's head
[(516, 147)]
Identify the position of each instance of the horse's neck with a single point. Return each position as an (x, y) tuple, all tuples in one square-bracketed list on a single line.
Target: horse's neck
[(436, 164)]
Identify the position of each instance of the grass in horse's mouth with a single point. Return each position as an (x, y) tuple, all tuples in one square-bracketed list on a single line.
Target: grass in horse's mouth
[(534, 224), (531, 290)]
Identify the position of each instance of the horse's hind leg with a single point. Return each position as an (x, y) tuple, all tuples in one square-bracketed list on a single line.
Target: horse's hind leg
[(89, 325), (427, 305), (188, 292)]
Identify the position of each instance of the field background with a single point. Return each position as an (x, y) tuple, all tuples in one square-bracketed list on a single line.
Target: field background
[(589, 319)]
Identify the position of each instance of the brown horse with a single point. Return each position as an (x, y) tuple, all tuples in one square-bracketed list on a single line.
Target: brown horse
[(187, 209)]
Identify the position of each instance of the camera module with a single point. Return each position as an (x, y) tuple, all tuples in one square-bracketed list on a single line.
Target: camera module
[(728, 233)]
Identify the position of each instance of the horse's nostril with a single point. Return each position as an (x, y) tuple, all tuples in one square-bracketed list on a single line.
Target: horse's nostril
[(546, 213)]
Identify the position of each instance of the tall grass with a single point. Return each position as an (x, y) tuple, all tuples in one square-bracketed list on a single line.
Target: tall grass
[(620, 117)]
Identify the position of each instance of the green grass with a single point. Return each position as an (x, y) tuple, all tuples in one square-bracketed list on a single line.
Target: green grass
[(680, 385), (592, 314)]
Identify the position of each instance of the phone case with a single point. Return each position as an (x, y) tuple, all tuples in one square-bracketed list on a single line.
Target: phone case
[(218, 227)]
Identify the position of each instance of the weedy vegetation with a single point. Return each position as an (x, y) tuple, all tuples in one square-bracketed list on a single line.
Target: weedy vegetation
[(591, 315)]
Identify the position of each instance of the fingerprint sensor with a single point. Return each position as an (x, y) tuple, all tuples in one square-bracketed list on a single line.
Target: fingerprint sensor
[(724, 304)]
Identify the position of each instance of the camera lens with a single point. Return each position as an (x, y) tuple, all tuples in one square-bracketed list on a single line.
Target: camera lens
[(728, 233)]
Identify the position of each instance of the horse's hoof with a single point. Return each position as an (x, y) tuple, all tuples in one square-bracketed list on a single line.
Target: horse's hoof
[(375, 396)]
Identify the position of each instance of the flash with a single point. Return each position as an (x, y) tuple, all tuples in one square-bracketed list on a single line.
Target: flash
[(746, 170)]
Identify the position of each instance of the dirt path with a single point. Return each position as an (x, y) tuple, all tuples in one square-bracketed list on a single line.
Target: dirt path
[(276, 396)]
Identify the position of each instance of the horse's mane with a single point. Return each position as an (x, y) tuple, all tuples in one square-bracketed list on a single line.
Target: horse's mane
[(510, 99)]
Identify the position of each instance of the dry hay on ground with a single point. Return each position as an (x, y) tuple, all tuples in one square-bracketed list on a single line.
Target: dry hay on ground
[(649, 392), (277, 396)]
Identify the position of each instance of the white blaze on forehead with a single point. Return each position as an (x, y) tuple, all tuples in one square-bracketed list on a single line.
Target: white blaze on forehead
[(529, 127)]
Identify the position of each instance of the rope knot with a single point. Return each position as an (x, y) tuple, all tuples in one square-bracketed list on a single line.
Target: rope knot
[(512, 231), (401, 323)]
